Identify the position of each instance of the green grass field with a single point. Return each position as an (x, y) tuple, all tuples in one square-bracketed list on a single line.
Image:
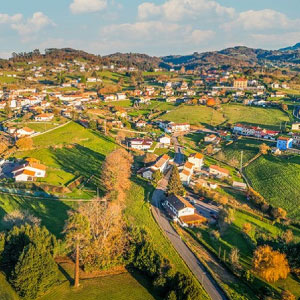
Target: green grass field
[(64, 163), (116, 287), (277, 179), (6, 291), (195, 115), (232, 152), (267, 117)]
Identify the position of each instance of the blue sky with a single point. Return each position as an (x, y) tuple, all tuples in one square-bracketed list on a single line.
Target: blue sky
[(156, 27)]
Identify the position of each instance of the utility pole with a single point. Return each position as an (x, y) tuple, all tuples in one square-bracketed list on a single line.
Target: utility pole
[(241, 163)]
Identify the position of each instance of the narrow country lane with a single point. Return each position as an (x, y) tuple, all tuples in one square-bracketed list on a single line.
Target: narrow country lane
[(209, 284)]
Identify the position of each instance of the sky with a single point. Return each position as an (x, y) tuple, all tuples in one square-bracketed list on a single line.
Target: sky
[(154, 27)]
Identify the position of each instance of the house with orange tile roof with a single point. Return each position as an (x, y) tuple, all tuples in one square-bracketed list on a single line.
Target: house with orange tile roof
[(197, 160), (29, 171), (25, 131), (183, 211), (218, 171), (284, 143), (44, 117), (161, 164)]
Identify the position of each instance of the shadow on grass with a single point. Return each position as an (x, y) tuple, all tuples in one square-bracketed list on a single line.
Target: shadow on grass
[(143, 280), (66, 274)]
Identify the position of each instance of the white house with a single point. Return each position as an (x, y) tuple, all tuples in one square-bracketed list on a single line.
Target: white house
[(25, 131), (185, 176), (44, 117), (161, 164), (197, 160), (29, 171), (218, 171), (121, 96), (140, 124), (164, 140), (140, 144)]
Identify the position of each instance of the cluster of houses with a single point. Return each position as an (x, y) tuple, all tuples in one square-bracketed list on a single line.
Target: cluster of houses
[(171, 127)]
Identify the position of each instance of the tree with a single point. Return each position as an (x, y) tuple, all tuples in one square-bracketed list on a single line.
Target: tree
[(115, 176), (24, 143), (43, 272), (264, 148), (109, 239), (175, 186), (234, 258), (77, 233), (284, 107), (278, 213), (247, 228), (149, 158), (288, 236), (287, 295), (223, 200), (18, 218), (269, 264), (157, 176)]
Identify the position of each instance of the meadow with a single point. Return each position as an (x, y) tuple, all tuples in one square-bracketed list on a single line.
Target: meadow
[(194, 115), (70, 151), (277, 179), (266, 117)]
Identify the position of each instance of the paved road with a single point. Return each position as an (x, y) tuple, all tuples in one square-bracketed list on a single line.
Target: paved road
[(179, 156), (193, 263)]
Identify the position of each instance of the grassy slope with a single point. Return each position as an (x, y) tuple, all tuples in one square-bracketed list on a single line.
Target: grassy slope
[(278, 180), (6, 291), (254, 115), (195, 115), (233, 237), (117, 287), (86, 155)]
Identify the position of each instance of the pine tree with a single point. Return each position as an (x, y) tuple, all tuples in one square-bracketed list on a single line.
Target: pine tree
[(78, 232), (175, 186), (35, 272)]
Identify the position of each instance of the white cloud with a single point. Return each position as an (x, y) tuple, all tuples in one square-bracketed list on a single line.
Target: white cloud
[(33, 25), (260, 20), (87, 6), (275, 41), (154, 37), (175, 10), (6, 19)]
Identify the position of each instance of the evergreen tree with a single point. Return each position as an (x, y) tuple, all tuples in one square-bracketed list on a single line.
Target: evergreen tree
[(35, 272), (157, 176), (77, 231), (175, 186)]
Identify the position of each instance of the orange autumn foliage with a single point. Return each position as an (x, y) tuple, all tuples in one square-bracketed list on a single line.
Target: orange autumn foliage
[(269, 264)]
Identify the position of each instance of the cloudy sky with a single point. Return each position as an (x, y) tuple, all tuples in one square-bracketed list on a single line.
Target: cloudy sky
[(156, 27)]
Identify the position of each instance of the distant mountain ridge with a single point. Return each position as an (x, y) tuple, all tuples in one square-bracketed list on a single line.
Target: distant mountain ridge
[(239, 56), (295, 47)]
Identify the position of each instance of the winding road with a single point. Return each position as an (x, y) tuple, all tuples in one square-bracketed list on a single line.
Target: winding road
[(196, 267)]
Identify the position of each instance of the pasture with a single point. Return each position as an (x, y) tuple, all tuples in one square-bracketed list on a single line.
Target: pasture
[(277, 179), (266, 117)]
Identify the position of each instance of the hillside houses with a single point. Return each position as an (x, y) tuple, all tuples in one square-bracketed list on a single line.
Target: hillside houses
[(218, 171), (140, 144), (45, 117), (182, 211), (161, 165), (171, 127), (29, 171), (254, 131)]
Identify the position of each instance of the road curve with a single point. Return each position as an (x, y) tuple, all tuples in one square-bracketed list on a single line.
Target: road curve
[(209, 284)]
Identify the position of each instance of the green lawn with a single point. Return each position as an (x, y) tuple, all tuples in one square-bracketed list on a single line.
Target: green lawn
[(267, 117), (64, 163), (6, 291), (195, 115), (116, 287), (277, 179)]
